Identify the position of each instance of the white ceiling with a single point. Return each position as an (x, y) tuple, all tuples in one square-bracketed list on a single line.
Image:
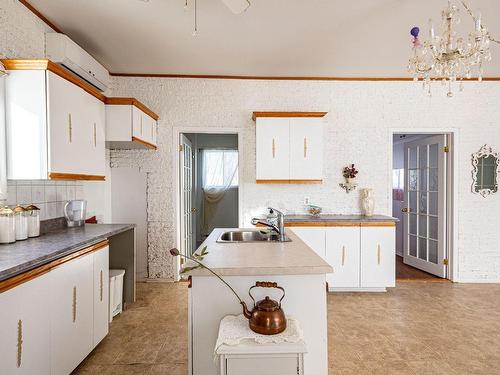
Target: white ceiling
[(362, 38)]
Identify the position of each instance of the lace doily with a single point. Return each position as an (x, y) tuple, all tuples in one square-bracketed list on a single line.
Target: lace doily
[(234, 329)]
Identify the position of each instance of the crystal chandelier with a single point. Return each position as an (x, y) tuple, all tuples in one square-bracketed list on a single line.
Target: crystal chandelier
[(450, 58)]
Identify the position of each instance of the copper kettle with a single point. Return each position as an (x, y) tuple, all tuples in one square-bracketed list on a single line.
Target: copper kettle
[(267, 317)]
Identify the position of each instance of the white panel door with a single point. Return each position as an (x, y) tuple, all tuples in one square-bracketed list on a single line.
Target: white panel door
[(272, 148), (343, 254), (306, 149), (378, 257), (186, 196), (137, 123), (24, 332), (425, 205), (72, 310), (93, 138), (63, 111), (314, 237)]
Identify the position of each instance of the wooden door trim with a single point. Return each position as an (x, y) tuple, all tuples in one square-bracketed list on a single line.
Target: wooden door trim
[(144, 143), (74, 176), (256, 115), (134, 102), (41, 270)]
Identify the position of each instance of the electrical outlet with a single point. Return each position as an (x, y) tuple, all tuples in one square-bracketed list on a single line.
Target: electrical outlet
[(307, 200)]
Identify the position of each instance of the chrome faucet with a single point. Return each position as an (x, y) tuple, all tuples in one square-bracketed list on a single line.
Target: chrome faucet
[(280, 228)]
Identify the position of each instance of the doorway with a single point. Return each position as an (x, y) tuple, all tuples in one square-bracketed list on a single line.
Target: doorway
[(208, 186), (421, 201)]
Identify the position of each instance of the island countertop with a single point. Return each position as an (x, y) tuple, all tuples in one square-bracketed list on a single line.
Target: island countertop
[(260, 258), (339, 220), (23, 256)]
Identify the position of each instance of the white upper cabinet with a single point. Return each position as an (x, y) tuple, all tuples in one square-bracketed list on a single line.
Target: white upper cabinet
[(306, 149), (24, 332), (378, 260), (272, 149), (55, 128), (289, 149), (129, 124)]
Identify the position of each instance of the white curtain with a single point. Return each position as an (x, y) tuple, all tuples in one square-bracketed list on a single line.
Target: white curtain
[(220, 172)]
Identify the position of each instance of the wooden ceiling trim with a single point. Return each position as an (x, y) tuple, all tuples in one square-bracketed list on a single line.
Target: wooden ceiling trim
[(41, 16)]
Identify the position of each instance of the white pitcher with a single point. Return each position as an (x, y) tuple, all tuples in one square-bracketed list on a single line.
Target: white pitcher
[(367, 202)]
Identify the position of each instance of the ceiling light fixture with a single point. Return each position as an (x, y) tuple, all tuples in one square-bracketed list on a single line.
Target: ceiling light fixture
[(450, 58)]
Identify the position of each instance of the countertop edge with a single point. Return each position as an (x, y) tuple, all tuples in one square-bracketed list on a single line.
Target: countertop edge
[(15, 271)]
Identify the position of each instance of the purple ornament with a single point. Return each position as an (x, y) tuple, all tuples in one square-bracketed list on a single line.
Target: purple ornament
[(415, 31)]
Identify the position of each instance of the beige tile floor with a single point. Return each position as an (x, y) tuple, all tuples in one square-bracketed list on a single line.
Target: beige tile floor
[(416, 328)]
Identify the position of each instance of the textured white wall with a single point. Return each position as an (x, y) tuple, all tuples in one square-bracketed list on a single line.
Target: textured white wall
[(361, 116)]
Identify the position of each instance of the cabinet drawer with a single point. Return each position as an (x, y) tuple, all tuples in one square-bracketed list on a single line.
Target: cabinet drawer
[(270, 365)]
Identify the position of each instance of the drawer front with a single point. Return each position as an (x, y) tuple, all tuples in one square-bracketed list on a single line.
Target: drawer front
[(264, 365)]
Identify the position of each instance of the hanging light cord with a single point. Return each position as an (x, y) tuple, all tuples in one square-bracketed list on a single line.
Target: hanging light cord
[(195, 31)]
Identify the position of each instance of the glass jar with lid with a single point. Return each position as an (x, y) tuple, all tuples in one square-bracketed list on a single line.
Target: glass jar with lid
[(21, 219), (33, 220), (7, 225)]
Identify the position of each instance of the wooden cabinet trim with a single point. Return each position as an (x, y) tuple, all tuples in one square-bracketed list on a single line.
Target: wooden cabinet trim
[(46, 64), (255, 115), (134, 102), (39, 271), (341, 224), (288, 181), (73, 176), (144, 143)]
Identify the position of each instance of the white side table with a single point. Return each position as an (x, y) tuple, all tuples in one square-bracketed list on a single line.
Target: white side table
[(249, 357)]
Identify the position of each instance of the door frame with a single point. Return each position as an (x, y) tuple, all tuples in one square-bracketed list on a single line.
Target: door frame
[(176, 132), (452, 197)]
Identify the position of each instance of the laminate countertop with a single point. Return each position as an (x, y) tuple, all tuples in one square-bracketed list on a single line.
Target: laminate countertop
[(259, 258), (23, 256)]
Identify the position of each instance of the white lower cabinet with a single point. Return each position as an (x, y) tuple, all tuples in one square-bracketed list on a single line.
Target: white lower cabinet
[(72, 312), (378, 260), (24, 332), (362, 257), (343, 253), (101, 294), (263, 365)]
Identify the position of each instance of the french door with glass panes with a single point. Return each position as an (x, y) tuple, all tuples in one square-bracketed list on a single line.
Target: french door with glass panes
[(186, 198), (425, 205)]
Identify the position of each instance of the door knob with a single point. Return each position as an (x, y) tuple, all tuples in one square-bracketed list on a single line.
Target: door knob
[(406, 209)]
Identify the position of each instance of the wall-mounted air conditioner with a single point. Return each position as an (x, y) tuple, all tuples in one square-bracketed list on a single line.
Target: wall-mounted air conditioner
[(62, 50)]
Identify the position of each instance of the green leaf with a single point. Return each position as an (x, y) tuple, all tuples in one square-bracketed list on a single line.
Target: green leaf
[(189, 269)]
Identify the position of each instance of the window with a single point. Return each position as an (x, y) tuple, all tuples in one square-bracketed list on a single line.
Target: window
[(220, 168)]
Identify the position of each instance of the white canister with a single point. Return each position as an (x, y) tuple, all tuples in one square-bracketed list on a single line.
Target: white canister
[(33, 213), (21, 220), (7, 225)]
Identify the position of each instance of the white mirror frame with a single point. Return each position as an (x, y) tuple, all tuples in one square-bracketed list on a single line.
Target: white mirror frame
[(484, 151)]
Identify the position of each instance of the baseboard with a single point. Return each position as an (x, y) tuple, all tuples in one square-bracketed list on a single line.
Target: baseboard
[(477, 281), (350, 290)]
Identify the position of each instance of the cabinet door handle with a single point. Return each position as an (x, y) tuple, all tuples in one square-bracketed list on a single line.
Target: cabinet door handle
[(378, 254), (95, 135), (343, 255), (274, 148), (70, 128), (305, 147), (19, 343), (74, 304), (101, 287)]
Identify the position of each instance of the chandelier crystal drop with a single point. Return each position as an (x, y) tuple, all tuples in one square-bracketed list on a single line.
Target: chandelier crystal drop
[(449, 57)]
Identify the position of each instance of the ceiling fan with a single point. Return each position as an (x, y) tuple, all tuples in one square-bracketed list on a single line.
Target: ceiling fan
[(235, 6)]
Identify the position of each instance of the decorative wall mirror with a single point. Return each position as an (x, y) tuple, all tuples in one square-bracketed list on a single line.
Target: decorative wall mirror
[(486, 165)]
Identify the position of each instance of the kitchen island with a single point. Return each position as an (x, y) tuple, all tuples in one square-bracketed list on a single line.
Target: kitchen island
[(293, 265)]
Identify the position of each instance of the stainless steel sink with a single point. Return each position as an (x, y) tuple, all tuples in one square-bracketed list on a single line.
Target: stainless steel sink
[(248, 236)]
